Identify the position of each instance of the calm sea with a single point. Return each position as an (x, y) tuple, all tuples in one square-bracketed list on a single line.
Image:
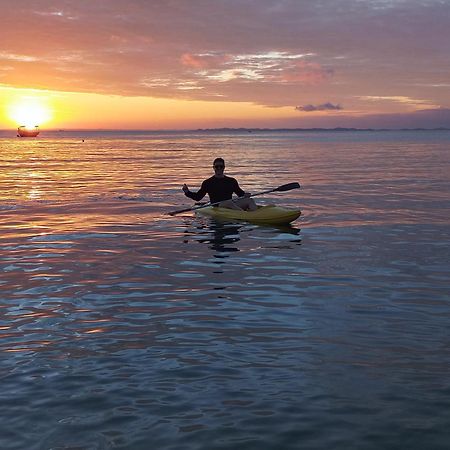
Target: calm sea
[(124, 328)]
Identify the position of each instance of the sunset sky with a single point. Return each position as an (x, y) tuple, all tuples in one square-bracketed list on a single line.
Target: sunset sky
[(165, 64)]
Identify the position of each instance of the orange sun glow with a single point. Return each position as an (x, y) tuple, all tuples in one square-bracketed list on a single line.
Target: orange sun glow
[(30, 112)]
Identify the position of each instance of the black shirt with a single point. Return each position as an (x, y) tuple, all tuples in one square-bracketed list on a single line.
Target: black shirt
[(218, 189)]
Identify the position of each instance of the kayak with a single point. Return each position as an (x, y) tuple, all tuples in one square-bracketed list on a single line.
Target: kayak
[(270, 214)]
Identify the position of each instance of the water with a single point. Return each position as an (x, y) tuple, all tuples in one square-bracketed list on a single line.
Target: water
[(124, 328)]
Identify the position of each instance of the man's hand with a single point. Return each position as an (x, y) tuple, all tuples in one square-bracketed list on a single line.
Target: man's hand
[(185, 188), (247, 195)]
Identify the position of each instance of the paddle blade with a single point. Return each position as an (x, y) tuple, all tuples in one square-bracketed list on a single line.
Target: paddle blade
[(287, 187)]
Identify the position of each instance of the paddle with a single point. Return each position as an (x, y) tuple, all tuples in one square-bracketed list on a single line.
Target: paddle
[(283, 188)]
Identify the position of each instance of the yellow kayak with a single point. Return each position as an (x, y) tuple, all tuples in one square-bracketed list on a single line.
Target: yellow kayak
[(270, 215)]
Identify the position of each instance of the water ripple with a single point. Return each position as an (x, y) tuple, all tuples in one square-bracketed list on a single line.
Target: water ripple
[(122, 327)]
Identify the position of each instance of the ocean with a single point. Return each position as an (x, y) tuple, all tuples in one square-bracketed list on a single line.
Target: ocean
[(122, 327)]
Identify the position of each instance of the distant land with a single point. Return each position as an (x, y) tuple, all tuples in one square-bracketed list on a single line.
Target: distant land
[(251, 130)]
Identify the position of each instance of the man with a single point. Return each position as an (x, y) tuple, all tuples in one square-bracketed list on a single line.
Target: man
[(220, 188)]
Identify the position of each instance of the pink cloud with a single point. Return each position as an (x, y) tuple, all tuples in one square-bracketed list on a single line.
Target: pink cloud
[(204, 61), (273, 67), (305, 72)]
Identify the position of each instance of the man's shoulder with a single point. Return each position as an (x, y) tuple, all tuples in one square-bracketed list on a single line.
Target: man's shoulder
[(230, 179), (224, 179), (210, 180)]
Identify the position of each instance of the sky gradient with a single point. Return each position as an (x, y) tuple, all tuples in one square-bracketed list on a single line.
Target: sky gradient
[(217, 63)]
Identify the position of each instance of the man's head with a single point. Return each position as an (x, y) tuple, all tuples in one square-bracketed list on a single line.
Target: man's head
[(219, 166)]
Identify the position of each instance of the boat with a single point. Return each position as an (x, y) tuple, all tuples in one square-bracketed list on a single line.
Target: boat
[(268, 215), (24, 131)]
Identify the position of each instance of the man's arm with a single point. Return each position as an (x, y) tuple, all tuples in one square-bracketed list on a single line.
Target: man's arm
[(195, 195), (238, 191)]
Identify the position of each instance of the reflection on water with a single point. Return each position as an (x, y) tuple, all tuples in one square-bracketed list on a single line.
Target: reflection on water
[(122, 327), (219, 236), (224, 236)]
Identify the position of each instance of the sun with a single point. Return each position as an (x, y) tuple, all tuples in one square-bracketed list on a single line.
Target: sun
[(30, 112)]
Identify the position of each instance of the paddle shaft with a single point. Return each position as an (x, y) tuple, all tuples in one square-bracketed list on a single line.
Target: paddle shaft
[(283, 188)]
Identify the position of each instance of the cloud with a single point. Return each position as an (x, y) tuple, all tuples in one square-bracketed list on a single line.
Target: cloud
[(323, 107), (12, 57), (259, 51), (272, 66), (205, 60), (416, 103), (310, 73)]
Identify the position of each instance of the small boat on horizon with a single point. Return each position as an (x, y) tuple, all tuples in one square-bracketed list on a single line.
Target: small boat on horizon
[(24, 131)]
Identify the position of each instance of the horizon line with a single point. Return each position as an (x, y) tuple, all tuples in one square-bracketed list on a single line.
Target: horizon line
[(159, 130)]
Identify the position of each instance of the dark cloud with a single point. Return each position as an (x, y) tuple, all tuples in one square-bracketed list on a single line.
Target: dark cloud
[(323, 107)]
